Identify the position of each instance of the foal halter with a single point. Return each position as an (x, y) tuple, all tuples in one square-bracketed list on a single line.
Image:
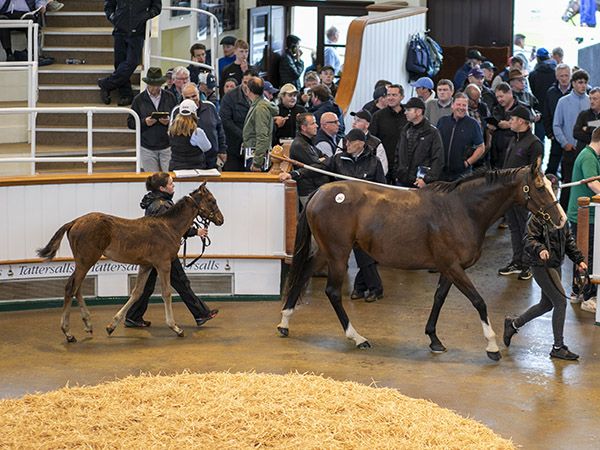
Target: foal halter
[(199, 221), (543, 210)]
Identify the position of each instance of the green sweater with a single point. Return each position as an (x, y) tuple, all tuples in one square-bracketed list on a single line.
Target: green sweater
[(586, 165), (258, 129)]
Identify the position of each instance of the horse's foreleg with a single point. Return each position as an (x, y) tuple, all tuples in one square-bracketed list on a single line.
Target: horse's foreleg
[(335, 279), (439, 298), (85, 312), (463, 283), (165, 284), (138, 289)]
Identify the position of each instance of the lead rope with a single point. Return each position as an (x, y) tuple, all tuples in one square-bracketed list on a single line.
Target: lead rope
[(199, 222)]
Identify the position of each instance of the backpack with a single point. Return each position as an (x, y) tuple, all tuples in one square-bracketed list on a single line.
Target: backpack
[(417, 58), (436, 56)]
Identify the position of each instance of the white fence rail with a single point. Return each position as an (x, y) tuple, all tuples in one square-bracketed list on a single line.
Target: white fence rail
[(89, 159)]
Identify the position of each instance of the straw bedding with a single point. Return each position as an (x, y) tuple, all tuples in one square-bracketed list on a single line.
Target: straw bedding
[(235, 411)]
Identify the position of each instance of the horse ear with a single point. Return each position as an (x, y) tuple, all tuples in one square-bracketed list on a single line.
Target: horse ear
[(202, 185), (536, 172)]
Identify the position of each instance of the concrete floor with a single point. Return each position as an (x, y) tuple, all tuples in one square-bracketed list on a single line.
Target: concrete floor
[(538, 402)]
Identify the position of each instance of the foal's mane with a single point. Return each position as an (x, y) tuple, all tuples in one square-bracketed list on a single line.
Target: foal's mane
[(491, 177), (175, 210)]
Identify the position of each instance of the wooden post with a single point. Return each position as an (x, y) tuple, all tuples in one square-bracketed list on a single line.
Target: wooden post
[(291, 218), (583, 226)]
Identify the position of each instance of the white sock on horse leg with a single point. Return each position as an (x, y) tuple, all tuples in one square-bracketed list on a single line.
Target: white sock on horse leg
[(285, 318), (489, 334), (352, 334)]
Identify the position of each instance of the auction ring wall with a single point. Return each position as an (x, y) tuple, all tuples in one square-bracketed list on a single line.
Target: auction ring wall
[(243, 260)]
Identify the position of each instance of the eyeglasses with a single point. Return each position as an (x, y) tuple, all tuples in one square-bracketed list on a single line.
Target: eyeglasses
[(332, 121), (182, 79)]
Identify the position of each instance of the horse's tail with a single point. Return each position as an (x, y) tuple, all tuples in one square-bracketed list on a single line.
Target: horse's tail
[(303, 261), (49, 251)]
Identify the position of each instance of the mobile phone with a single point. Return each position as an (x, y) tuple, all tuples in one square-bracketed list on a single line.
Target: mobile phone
[(159, 115)]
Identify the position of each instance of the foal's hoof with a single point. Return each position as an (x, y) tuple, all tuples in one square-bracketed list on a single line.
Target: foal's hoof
[(364, 345), (110, 329), (283, 332), (180, 333), (71, 339), (495, 356), (437, 348)]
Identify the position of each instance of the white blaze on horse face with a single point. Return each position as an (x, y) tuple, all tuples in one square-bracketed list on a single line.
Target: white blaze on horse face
[(352, 334), (490, 336), (285, 318), (563, 216)]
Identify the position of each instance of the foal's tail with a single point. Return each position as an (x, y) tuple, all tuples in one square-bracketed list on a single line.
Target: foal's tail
[(49, 251), (303, 262)]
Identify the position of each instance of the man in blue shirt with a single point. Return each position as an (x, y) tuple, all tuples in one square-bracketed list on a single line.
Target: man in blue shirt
[(462, 138), (228, 43)]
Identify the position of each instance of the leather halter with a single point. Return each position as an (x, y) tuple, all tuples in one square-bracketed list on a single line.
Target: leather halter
[(199, 221), (542, 212)]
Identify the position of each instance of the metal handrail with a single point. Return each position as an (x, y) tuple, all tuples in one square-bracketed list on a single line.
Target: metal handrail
[(31, 65), (214, 27), (90, 159)]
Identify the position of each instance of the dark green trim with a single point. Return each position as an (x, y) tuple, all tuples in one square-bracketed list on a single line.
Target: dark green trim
[(100, 301)]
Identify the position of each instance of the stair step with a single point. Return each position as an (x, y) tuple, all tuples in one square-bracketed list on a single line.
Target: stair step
[(83, 94), (92, 55), (74, 136), (81, 18), (84, 37), (80, 120), (81, 150), (82, 5), (66, 129), (84, 76)]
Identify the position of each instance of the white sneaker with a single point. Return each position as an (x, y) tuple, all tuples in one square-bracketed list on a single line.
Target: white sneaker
[(589, 305), (575, 298)]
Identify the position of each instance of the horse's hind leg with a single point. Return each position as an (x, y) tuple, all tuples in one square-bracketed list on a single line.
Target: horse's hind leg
[(335, 279), (143, 273), (463, 283), (439, 298), (85, 312), (165, 284)]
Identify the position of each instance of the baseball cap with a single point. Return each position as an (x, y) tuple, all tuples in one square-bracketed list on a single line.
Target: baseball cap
[(521, 112), (475, 54), (423, 82), (187, 107), (362, 114), (356, 135), (270, 88), (542, 53), (476, 72), (288, 88), (487, 65), (415, 102), (379, 92), (228, 40)]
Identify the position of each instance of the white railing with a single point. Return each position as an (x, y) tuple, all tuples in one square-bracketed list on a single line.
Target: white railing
[(31, 65), (213, 30), (89, 159)]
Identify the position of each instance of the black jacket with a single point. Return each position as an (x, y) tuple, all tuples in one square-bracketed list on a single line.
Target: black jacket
[(328, 106), (156, 203), (553, 95), (288, 130), (290, 70), (428, 151), (540, 80), (184, 155), (584, 137), (303, 150), (523, 150), (233, 111), (130, 16), (387, 125), (559, 242), (154, 137), (501, 137)]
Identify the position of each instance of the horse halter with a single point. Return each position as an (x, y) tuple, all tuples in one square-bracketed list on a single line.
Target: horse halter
[(543, 210), (200, 222), (202, 219)]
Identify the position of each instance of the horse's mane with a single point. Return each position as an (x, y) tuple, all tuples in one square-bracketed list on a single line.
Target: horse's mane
[(176, 208), (491, 176)]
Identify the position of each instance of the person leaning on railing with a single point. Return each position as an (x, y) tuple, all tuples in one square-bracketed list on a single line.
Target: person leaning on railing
[(153, 106)]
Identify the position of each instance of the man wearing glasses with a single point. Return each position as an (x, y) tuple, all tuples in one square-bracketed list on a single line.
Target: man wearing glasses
[(565, 116), (326, 140), (181, 77)]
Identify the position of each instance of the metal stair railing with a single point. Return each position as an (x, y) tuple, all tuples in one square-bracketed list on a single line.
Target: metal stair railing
[(89, 159)]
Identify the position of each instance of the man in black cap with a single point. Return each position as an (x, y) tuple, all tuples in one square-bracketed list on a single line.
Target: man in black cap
[(228, 43), (379, 97), (153, 105), (524, 149), (488, 69), (291, 65), (362, 120), (420, 152), (128, 18), (355, 162), (474, 58)]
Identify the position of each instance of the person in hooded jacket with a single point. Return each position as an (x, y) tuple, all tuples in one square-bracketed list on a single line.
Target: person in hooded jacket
[(158, 200), (545, 249)]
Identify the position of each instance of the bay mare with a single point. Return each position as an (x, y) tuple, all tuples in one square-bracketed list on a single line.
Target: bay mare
[(147, 241), (441, 226)]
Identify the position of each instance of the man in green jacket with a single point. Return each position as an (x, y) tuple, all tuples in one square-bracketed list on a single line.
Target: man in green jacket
[(586, 165), (258, 128)]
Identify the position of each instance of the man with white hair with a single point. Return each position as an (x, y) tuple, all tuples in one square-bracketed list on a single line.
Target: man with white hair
[(181, 77)]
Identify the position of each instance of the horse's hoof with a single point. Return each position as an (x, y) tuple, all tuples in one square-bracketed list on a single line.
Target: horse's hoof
[(71, 339), (180, 333), (90, 331), (283, 332), (364, 345), (495, 356), (437, 348), (110, 329)]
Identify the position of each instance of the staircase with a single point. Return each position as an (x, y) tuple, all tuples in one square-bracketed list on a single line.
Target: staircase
[(80, 30)]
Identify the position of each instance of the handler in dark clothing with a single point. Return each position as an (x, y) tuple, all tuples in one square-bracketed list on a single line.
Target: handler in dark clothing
[(545, 249), (129, 19), (155, 202), (420, 145), (524, 149), (355, 162)]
